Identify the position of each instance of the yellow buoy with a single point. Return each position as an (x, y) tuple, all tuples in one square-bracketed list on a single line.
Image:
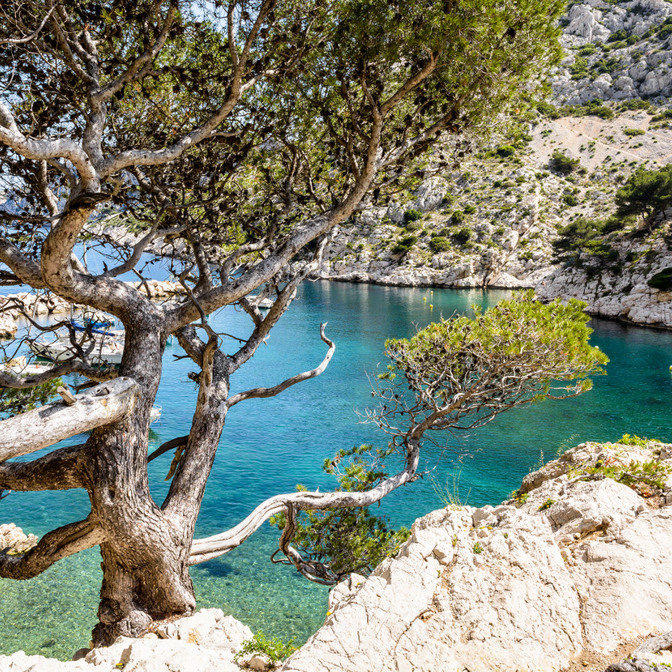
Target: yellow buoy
[(424, 298), (431, 306)]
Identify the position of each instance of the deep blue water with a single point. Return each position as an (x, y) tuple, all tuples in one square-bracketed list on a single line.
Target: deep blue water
[(268, 446)]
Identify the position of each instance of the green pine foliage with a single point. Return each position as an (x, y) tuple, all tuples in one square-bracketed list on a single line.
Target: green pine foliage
[(646, 192), (14, 401), (539, 345)]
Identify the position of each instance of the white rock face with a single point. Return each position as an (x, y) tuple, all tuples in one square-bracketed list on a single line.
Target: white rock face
[(13, 540), (204, 642), (581, 566), (625, 296), (8, 327), (636, 69)]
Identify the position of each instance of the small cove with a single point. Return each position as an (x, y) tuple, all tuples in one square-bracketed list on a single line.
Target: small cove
[(270, 445)]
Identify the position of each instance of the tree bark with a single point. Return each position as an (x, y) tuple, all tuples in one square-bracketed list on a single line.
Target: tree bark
[(145, 553)]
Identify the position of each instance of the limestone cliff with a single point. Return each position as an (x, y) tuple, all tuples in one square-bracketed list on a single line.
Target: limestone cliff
[(491, 221)]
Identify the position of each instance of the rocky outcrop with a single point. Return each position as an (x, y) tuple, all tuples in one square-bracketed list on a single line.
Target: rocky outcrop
[(571, 568), (13, 540), (203, 642), (615, 52), (8, 326), (620, 290)]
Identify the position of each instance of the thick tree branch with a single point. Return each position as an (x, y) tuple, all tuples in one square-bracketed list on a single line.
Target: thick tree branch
[(25, 269), (33, 430), (59, 148), (59, 470), (54, 546)]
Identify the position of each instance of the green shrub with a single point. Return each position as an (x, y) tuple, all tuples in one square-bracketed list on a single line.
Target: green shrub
[(548, 110), (563, 163), (547, 504), (646, 192), (439, 244), (582, 235), (636, 104), (469, 209), (667, 114), (478, 548), (579, 69), (618, 36), (404, 244), (587, 50), (412, 215), (633, 440), (570, 199), (662, 280), (594, 108), (274, 648), (505, 150), (457, 217), (462, 236), (632, 132)]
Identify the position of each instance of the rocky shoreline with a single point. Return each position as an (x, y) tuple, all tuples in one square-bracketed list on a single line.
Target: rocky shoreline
[(573, 573)]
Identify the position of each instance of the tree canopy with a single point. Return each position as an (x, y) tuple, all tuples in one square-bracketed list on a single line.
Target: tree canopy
[(233, 137), (456, 374)]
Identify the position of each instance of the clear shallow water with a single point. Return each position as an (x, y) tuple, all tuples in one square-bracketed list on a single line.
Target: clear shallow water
[(270, 445)]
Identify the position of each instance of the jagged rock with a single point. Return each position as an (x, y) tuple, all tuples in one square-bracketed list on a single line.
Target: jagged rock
[(530, 586), (203, 642), (456, 596), (13, 540), (623, 294), (654, 655)]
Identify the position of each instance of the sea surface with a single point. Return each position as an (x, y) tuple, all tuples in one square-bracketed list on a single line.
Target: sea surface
[(268, 446)]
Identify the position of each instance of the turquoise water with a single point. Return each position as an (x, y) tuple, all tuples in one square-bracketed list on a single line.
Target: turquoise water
[(270, 445)]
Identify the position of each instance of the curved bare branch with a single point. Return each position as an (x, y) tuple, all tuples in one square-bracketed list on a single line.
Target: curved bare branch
[(33, 35), (262, 392), (74, 366), (59, 148), (219, 544)]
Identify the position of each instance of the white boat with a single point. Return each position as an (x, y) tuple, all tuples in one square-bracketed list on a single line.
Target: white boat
[(105, 350), (265, 304), (154, 414), (21, 367)]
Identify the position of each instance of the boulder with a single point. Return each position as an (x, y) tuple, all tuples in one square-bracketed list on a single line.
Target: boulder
[(206, 641)]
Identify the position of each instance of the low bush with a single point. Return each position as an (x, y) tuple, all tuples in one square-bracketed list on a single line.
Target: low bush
[(439, 244), (462, 236), (404, 244), (562, 163), (661, 280), (506, 150), (412, 215)]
